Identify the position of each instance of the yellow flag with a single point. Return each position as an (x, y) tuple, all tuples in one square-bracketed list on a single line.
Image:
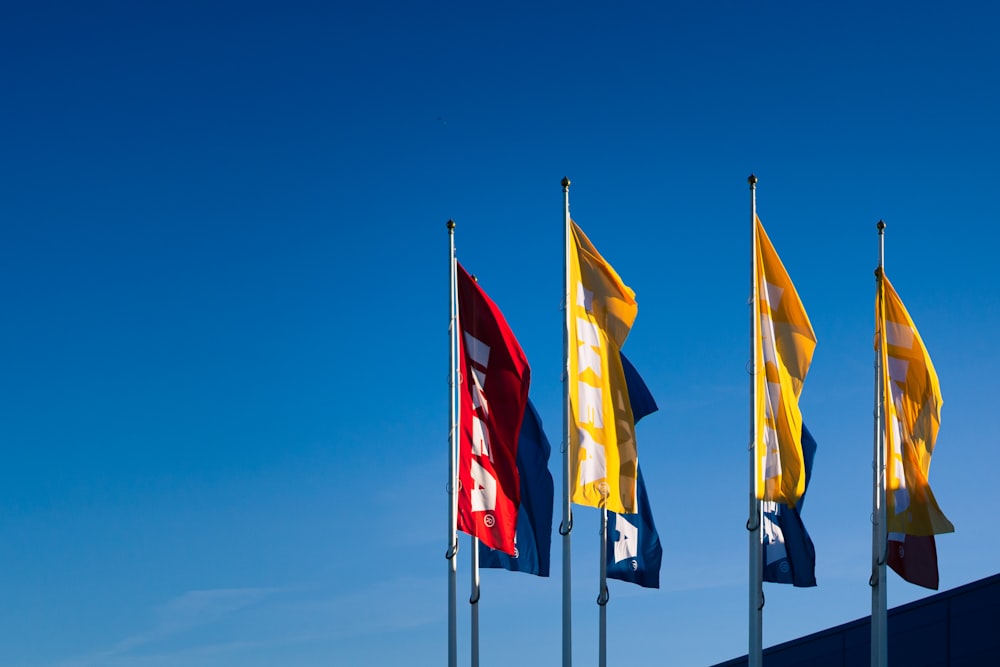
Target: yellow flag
[(912, 402), (784, 342), (603, 459)]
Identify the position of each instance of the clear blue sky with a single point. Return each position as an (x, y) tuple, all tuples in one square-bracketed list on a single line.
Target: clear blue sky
[(223, 282)]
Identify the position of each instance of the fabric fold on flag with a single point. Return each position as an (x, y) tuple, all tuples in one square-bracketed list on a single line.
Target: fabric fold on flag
[(784, 343), (789, 556), (602, 308), (639, 395), (912, 401), (534, 517), (914, 558), (634, 552), (492, 397)]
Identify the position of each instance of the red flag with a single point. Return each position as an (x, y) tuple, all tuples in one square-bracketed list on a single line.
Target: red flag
[(493, 396), (914, 558)]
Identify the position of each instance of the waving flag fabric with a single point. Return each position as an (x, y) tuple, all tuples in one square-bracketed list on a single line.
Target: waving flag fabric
[(534, 518), (603, 455), (639, 396), (634, 552), (634, 549), (912, 400), (784, 344), (493, 394), (789, 555), (914, 558)]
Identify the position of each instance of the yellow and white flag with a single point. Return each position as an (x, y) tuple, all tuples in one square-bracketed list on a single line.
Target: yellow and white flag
[(912, 405), (784, 343), (603, 458)]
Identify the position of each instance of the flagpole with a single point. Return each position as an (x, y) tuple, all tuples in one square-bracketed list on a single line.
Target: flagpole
[(603, 596), (879, 626), (566, 526), (474, 602), (452, 454), (755, 610)]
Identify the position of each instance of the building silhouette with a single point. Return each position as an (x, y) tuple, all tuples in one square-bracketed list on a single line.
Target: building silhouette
[(955, 628)]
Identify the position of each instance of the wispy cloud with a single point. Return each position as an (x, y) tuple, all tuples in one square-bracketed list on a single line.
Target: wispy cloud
[(388, 606), (223, 626), (190, 611), (198, 608)]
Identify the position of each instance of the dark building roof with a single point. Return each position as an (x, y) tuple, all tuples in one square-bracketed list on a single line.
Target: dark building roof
[(955, 628)]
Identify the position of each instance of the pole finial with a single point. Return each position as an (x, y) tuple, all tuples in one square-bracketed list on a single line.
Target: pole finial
[(451, 224), (752, 180), (881, 226), (565, 181)]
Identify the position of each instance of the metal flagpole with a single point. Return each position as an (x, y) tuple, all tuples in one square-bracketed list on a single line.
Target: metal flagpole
[(755, 631), (452, 455), (474, 601), (879, 641), (603, 596), (567, 518)]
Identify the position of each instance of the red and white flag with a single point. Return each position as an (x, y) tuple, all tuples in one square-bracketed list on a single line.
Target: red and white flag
[(493, 395), (914, 558)]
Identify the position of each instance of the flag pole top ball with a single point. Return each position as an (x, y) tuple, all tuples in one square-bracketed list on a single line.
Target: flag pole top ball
[(451, 224), (565, 181), (881, 226), (752, 180)]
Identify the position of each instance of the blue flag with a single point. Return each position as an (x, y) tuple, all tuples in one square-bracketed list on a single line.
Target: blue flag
[(789, 555), (533, 539), (634, 550), (638, 393)]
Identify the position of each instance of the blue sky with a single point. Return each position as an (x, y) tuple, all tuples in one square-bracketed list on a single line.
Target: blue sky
[(223, 266)]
